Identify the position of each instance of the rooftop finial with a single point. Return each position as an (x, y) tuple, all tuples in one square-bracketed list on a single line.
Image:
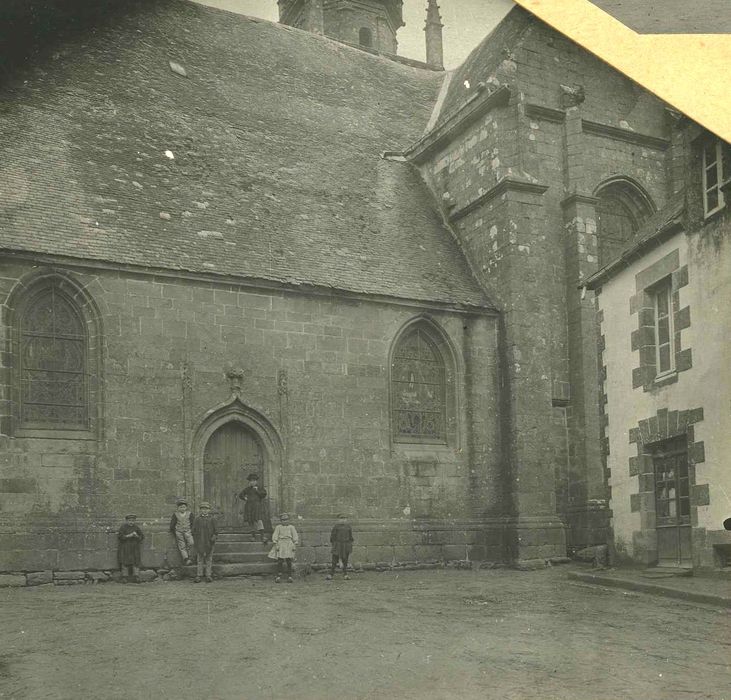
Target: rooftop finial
[(433, 29)]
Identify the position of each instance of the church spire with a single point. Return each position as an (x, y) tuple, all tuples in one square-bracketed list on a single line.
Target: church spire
[(433, 29)]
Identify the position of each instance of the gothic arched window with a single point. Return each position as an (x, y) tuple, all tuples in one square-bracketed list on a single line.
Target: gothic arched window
[(52, 374), (418, 390), (365, 37), (621, 210)]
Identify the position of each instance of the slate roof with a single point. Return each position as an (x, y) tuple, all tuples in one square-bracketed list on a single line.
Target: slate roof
[(486, 59), (276, 136), (663, 223)]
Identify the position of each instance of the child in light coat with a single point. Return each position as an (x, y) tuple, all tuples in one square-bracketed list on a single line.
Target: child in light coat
[(285, 540), (181, 526)]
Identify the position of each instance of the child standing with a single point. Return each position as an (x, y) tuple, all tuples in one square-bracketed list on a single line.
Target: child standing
[(129, 555), (205, 532), (253, 497), (181, 526), (341, 539), (285, 540)]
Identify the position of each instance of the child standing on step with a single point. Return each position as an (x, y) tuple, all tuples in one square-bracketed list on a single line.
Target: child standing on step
[(129, 554), (253, 497), (285, 540), (205, 533), (341, 539), (181, 527)]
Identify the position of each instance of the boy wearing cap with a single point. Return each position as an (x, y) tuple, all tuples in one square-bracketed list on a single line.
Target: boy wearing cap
[(285, 540), (253, 497), (341, 539), (181, 525), (129, 547), (205, 532)]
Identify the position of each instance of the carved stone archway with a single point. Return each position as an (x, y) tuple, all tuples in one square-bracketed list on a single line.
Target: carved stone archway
[(235, 410)]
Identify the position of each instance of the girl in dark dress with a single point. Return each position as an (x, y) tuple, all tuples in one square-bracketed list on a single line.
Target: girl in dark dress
[(129, 549), (254, 506)]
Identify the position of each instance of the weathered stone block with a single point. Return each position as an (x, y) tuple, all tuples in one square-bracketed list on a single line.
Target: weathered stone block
[(38, 578), (69, 575), (12, 580)]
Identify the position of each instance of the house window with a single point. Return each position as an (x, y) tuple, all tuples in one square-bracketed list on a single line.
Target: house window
[(418, 390), (664, 333), (52, 359), (716, 173)]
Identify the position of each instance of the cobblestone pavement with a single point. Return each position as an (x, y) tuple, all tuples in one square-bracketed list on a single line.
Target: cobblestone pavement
[(423, 634)]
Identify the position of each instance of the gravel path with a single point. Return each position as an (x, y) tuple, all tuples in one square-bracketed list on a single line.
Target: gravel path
[(435, 634)]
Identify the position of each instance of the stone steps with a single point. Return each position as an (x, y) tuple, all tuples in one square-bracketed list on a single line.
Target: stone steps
[(240, 557), (242, 547), (247, 569)]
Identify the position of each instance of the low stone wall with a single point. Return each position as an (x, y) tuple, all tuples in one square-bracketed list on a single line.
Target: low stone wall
[(92, 545)]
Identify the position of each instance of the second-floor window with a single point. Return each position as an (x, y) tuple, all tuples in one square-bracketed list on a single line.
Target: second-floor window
[(716, 172), (664, 333)]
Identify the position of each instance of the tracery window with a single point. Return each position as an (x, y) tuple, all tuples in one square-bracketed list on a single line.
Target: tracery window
[(52, 364), (418, 390), (621, 210)]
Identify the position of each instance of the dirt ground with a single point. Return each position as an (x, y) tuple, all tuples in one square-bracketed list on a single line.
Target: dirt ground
[(423, 634)]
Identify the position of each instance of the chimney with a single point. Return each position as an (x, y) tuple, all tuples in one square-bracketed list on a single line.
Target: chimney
[(433, 29)]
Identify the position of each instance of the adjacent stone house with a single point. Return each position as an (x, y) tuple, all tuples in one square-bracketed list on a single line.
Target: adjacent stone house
[(228, 245), (664, 355)]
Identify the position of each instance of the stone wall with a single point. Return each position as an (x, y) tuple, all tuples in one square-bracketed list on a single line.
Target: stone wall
[(517, 177), (313, 380)]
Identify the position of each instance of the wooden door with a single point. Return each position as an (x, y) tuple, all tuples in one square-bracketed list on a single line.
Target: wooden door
[(672, 504), (232, 452)]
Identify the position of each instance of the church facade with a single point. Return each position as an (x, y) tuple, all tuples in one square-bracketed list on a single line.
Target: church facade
[(232, 246)]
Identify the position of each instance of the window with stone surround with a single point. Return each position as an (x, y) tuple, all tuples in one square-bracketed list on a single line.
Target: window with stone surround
[(54, 360), (661, 321), (418, 389), (621, 209), (716, 173), (52, 364)]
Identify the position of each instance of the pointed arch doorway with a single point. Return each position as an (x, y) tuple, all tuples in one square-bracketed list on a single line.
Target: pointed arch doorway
[(232, 441), (232, 452)]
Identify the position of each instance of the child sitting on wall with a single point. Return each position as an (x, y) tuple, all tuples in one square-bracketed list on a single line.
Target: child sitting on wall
[(341, 539), (129, 555), (285, 539), (181, 527)]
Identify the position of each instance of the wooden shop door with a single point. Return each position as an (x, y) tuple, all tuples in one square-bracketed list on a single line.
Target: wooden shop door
[(672, 504), (232, 453)]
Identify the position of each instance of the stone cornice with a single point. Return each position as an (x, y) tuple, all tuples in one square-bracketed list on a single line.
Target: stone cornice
[(619, 134), (507, 184), (577, 198), (548, 114), (478, 105)]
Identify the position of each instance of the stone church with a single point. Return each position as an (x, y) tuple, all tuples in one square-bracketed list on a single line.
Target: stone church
[(229, 245)]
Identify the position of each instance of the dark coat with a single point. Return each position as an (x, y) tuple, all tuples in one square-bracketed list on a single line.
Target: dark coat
[(204, 532), (129, 549), (254, 506), (341, 539)]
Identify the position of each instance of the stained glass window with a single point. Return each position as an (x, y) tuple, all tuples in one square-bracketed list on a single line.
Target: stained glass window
[(418, 390), (52, 365)]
